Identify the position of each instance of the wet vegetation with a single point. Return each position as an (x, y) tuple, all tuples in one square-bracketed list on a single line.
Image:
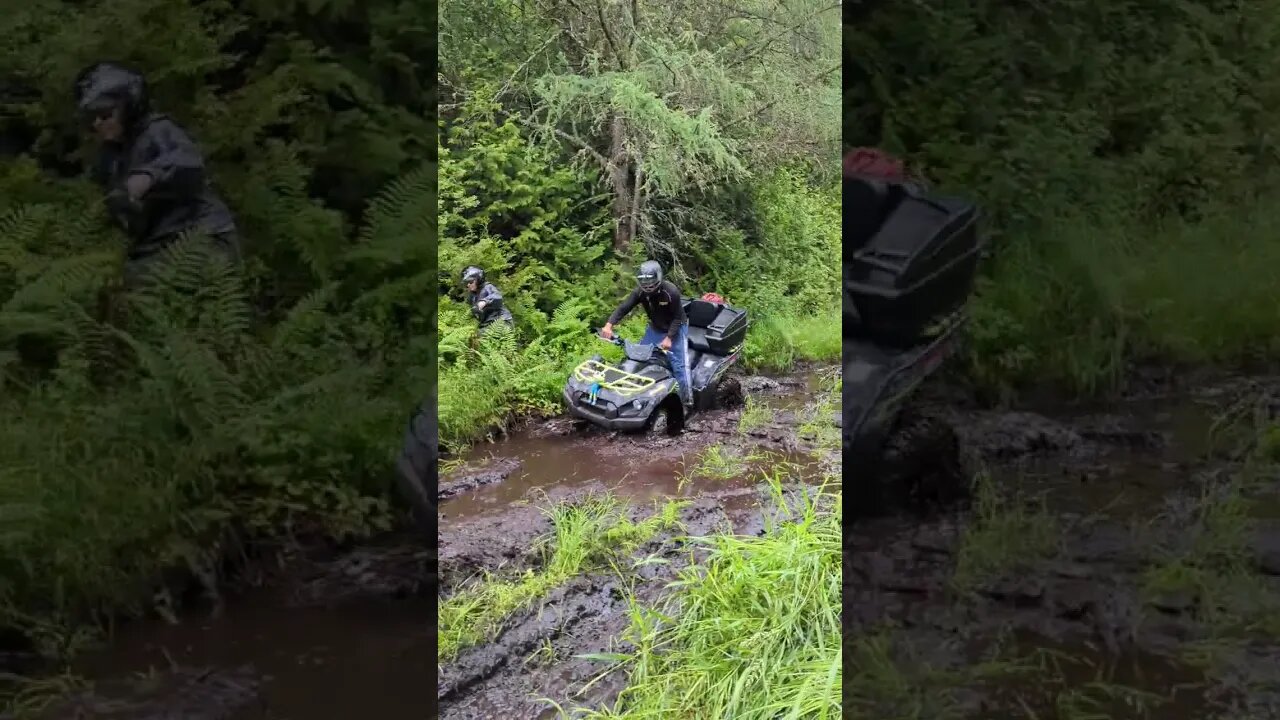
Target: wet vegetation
[(736, 604), (1123, 156), (575, 145), (155, 441), (751, 631), (1055, 609)]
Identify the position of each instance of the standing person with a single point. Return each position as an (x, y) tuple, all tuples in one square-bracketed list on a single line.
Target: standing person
[(668, 324), (155, 177), (484, 299)]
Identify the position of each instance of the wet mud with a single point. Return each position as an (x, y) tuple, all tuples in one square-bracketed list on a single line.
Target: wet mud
[(334, 635), (563, 455), (537, 655), (1082, 627), (350, 633), (1111, 492)]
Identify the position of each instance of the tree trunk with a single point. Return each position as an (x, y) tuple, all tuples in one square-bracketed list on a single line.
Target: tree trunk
[(620, 178)]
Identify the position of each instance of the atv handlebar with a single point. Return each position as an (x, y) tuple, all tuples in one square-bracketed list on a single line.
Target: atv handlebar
[(623, 343)]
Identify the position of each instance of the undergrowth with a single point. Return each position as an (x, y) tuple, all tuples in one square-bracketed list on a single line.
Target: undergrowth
[(1076, 307), (511, 206), (750, 631), (721, 462), (1004, 534), (175, 426)]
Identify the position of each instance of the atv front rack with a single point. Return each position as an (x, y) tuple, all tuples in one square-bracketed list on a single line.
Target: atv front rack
[(611, 378)]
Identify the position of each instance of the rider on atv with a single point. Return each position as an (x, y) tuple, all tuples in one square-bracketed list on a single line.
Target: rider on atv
[(485, 300), (668, 325)]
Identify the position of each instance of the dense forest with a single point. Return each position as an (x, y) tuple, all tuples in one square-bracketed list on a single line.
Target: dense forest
[(578, 140), (183, 424), (1125, 154)]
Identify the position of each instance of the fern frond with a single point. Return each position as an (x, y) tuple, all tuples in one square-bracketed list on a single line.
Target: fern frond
[(405, 212), (77, 276), (19, 229), (304, 318)]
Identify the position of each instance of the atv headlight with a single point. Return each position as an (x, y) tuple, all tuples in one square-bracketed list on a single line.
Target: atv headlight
[(639, 404)]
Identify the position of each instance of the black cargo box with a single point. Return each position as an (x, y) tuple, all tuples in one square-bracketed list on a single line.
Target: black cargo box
[(917, 267), (715, 327)]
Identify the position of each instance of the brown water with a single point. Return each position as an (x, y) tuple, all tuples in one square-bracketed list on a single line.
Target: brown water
[(368, 658), (637, 468)]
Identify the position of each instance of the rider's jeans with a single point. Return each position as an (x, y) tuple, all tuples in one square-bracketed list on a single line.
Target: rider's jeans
[(679, 356)]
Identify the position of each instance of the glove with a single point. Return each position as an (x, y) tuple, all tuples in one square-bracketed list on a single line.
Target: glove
[(122, 208)]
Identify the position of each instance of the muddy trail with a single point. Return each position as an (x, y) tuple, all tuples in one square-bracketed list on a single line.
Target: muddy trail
[(492, 515), (343, 634), (1114, 562)]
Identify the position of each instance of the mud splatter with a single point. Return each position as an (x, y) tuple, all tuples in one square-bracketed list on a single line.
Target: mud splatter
[(476, 476)]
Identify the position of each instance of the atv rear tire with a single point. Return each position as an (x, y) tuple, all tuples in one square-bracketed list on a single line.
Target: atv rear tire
[(922, 465), (416, 468), (729, 393)]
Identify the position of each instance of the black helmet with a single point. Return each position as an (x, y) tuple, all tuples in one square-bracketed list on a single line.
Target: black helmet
[(472, 273), (103, 86), (650, 275)]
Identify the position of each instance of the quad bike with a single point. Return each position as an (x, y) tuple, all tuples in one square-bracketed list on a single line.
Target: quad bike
[(641, 393), (910, 259), (416, 467)]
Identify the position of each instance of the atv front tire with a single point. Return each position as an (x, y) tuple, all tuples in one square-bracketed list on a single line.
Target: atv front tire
[(667, 419)]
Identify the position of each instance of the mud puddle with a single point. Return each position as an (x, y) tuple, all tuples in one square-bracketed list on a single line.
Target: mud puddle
[(564, 455), (1106, 569), (338, 638)]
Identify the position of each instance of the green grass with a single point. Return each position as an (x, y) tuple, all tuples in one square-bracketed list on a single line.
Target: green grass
[(1072, 304), (1216, 568), (750, 632), (890, 679), (755, 415), (719, 462), (1003, 534), (32, 697), (779, 342), (585, 534), (818, 419)]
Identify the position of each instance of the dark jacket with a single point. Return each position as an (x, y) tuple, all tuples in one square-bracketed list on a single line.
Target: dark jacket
[(494, 308), (663, 306), (180, 198)]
